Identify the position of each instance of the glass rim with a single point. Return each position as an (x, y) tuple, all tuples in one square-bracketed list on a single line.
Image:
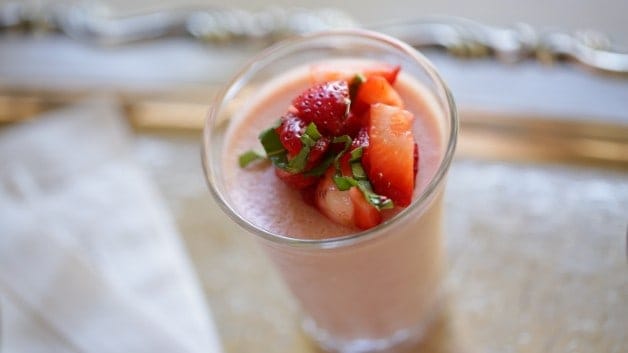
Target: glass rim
[(345, 240)]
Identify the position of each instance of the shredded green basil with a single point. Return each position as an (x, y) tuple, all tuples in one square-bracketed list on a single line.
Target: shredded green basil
[(273, 148), (249, 157)]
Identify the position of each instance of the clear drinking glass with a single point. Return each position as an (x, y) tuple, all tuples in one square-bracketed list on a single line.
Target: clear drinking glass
[(371, 290)]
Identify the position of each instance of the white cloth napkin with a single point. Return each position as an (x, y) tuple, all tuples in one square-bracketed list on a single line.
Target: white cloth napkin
[(90, 260)]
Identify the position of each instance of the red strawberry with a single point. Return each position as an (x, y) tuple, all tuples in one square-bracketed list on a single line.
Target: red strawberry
[(365, 215), (415, 169), (308, 194), (290, 132), (341, 71), (390, 153), (317, 152), (333, 203), (387, 71), (326, 105), (377, 90), (297, 181), (348, 207), (353, 123), (361, 139)]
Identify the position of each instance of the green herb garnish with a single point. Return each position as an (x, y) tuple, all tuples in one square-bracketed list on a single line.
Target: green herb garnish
[(309, 138), (380, 202), (249, 157), (322, 167), (359, 179), (346, 139), (277, 153), (273, 147)]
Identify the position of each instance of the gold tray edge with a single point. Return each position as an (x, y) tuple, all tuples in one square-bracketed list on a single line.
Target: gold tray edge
[(484, 135)]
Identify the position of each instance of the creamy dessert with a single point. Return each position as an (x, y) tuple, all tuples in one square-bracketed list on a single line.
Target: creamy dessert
[(384, 287)]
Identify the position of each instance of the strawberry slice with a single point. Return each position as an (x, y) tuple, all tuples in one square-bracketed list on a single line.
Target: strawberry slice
[(353, 123), (348, 208), (361, 139), (377, 90), (365, 215), (333, 203), (387, 71), (297, 181), (389, 158), (326, 104), (329, 72)]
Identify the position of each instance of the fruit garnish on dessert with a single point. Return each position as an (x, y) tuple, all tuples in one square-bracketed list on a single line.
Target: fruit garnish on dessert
[(346, 144), (390, 155), (346, 71)]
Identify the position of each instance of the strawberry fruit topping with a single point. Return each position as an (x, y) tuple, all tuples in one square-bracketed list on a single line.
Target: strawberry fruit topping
[(340, 71), (346, 144), (295, 180), (348, 208), (326, 105), (290, 131), (389, 156), (377, 90), (334, 203), (365, 215)]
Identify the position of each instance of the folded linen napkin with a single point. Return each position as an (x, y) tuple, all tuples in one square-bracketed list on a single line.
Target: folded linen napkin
[(90, 260)]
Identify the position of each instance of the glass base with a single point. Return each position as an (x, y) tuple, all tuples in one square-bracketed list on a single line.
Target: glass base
[(404, 338)]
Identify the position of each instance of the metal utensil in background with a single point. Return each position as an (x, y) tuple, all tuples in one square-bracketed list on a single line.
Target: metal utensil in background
[(92, 23)]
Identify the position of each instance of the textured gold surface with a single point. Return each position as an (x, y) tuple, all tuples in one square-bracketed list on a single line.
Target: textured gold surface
[(537, 258)]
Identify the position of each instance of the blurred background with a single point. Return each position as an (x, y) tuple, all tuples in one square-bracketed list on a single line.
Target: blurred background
[(125, 46), (605, 15), (109, 238)]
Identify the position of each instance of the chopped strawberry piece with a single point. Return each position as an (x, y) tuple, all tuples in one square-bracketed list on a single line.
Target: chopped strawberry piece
[(389, 72), (290, 132), (377, 90), (353, 123), (345, 165), (390, 153), (416, 160), (348, 208), (326, 104), (317, 152), (361, 139), (297, 181), (308, 194), (365, 215), (333, 203), (327, 72)]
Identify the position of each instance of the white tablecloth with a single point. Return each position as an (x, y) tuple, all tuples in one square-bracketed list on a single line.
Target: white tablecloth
[(90, 259)]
